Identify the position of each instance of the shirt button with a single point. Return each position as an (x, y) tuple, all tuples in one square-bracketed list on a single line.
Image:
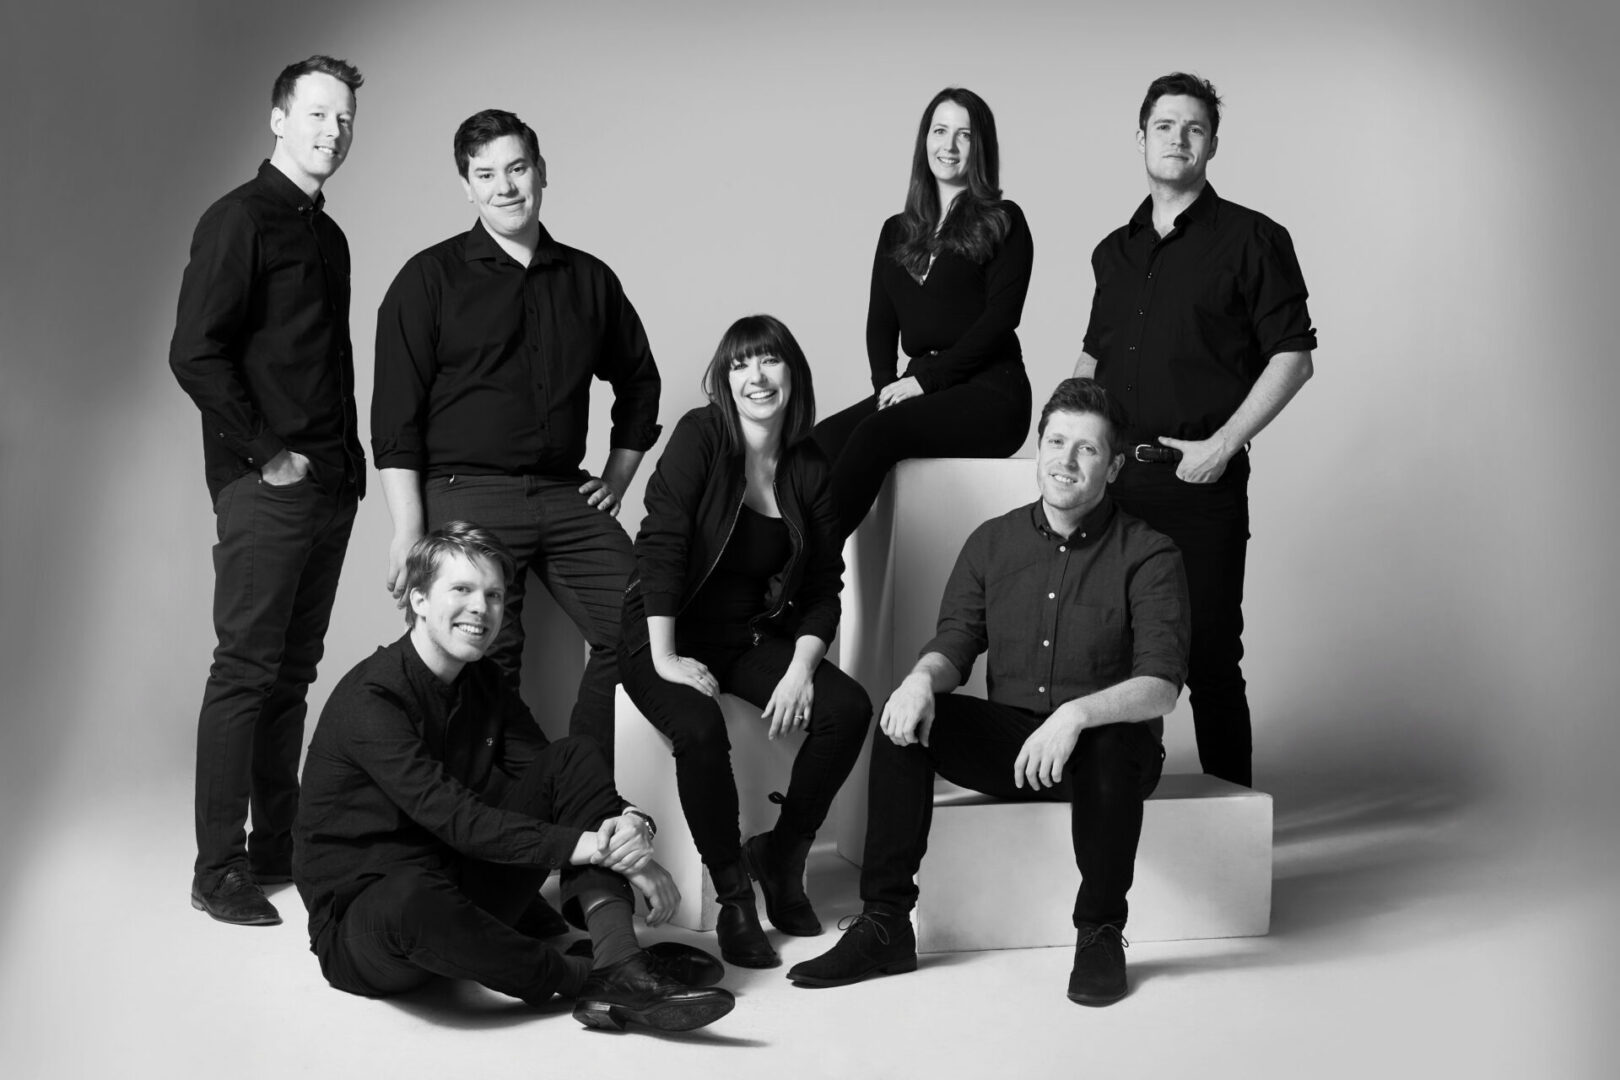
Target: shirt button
[(1065, 547), (489, 742), (1131, 349), (1082, 536), (1040, 689), (1051, 596), (1047, 644)]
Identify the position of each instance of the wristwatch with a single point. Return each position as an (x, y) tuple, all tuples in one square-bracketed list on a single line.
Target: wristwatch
[(652, 826)]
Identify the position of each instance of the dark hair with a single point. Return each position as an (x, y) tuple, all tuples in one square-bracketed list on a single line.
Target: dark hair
[(481, 129), (428, 554), (762, 335), (1085, 396), (976, 222), (1181, 83), (281, 91)]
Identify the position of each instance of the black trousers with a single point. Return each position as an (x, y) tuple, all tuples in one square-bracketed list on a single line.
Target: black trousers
[(453, 917), (839, 715), (277, 558), (579, 553), (974, 744), (987, 416), (1210, 524)]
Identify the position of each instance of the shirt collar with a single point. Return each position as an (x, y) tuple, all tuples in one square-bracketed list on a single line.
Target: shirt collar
[(1201, 212), (421, 677), (1090, 528), (481, 245), (289, 192)]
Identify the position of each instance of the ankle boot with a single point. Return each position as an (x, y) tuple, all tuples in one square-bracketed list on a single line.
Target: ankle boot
[(779, 869), (742, 939)]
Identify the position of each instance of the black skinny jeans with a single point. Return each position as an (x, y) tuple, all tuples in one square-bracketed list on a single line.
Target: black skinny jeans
[(987, 416), (974, 744), (839, 715), (454, 917)]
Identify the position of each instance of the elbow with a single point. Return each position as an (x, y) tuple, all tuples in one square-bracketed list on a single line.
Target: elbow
[(1304, 369)]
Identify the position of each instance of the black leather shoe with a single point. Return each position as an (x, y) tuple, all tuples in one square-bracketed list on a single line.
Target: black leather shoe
[(781, 878), (742, 939), (237, 899), (635, 991), (874, 943), (541, 920), (686, 964), (1098, 977)]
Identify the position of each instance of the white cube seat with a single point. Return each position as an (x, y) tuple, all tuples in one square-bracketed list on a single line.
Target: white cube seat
[(1001, 875)]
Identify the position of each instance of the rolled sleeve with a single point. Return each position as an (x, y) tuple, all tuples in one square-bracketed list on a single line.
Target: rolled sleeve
[(1277, 294), (627, 365), (406, 363), (1161, 618), (961, 634)]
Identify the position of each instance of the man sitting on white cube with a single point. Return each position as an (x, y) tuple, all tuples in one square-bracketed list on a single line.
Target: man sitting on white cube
[(1082, 610)]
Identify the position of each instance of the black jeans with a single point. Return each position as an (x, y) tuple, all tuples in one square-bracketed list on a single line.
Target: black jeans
[(454, 917), (277, 559), (581, 555), (1210, 524), (839, 715), (974, 744), (986, 416)]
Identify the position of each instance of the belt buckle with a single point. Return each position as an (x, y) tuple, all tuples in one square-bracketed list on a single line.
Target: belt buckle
[(1136, 453)]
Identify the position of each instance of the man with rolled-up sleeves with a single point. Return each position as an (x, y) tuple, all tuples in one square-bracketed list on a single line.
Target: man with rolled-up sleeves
[(1199, 330)]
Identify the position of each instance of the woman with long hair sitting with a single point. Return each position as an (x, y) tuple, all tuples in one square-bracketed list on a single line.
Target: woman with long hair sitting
[(738, 569), (948, 286)]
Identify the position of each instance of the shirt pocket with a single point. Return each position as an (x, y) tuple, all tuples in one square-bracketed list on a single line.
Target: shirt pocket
[(1096, 639)]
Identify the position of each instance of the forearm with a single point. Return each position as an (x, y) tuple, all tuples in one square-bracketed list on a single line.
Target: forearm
[(808, 652), (402, 490), (1142, 697), (1284, 374), (621, 468), (939, 673), (1086, 366), (661, 634)]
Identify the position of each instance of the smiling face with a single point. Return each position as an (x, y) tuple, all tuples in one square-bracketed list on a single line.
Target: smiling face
[(505, 185), (459, 615), (1074, 466), (760, 387), (1177, 142), (949, 144), (314, 131)]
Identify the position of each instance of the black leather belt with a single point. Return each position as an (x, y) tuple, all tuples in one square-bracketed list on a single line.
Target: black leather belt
[(1154, 454)]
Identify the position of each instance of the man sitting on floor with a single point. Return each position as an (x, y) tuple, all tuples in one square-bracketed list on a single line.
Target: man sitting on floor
[(1083, 613), (434, 807)]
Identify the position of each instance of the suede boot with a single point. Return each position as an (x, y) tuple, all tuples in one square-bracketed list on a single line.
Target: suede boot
[(779, 869), (742, 939)]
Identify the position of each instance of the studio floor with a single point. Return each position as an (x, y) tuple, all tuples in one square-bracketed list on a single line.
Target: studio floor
[(1406, 941)]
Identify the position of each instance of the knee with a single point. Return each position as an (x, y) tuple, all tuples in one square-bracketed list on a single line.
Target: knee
[(410, 898), (1112, 765), (702, 738)]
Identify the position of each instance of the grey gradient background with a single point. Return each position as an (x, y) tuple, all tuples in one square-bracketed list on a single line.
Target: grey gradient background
[(1432, 598)]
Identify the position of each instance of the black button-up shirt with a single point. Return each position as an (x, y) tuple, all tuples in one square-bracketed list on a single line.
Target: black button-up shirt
[(484, 366), (1182, 326), (405, 770), (261, 339), (1065, 616)]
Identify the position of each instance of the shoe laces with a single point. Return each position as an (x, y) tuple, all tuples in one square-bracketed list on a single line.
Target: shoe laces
[(865, 919), (1100, 934)]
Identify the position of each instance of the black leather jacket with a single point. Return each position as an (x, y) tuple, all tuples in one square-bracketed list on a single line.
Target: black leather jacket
[(693, 499)]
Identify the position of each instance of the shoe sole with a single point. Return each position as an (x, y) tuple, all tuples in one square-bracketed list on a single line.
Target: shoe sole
[(667, 1016), (750, 961), (897, 967), (802, 930), (196, 902), (1095, 1001)]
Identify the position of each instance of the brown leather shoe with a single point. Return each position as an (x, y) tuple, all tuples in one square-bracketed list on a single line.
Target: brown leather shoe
[(237, 899)]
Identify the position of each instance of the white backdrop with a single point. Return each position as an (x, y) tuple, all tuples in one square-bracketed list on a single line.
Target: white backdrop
[(1430, 597)]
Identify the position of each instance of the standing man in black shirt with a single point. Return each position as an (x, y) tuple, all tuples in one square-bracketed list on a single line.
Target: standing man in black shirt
[(1081, 612), (486, 347), (1199, 330), (261, 343)]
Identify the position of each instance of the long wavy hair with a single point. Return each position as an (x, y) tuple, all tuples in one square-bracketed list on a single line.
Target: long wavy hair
[(977, 223)]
